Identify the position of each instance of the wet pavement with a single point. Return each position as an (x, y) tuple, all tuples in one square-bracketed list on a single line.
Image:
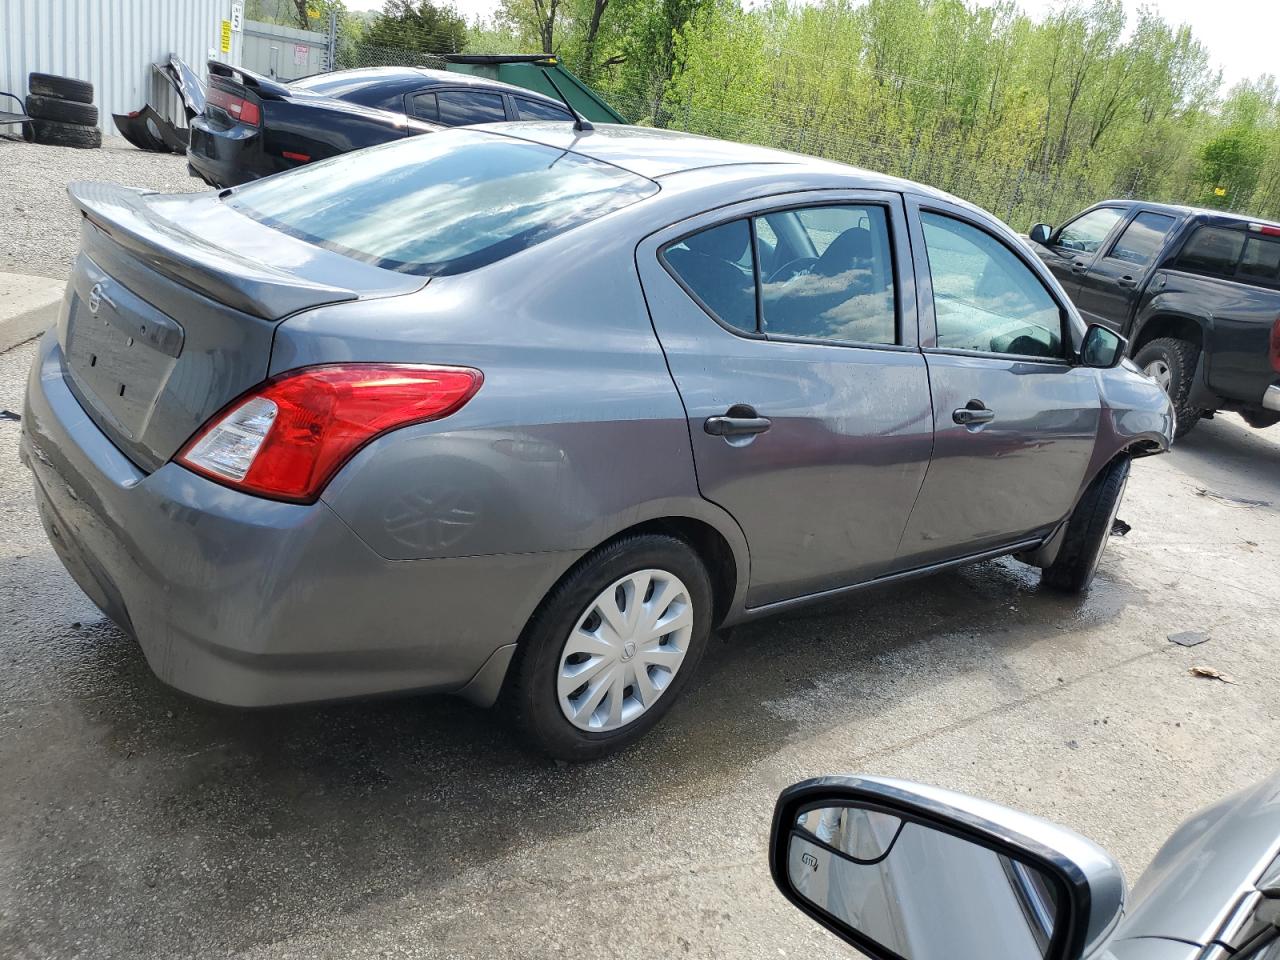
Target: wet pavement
[(137, 823)]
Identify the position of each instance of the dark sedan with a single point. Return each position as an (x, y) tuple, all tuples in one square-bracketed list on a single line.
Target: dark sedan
[(254, 126)]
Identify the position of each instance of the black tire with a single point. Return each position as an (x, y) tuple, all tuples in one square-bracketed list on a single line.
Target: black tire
[(1260, 419), (1180, 357), (64, 111), (1088, 530), (55, 134), (531, 697), (64, 88)]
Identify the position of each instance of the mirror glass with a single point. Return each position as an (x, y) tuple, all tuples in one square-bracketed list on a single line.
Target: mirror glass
[(916, 892), (1101, 347), (1040, 233)]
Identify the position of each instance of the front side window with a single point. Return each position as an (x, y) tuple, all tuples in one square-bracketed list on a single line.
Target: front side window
[(1212, 250), (462, 107), (440, 204), (1085, 234), (537, 110), (840, 286), (1142, 239), (985, 298), (716, 266)]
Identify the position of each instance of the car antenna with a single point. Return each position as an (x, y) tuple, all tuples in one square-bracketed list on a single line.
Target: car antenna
[(579, 121)]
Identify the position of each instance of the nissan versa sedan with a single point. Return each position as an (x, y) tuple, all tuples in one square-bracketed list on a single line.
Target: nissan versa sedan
[(523, 413)]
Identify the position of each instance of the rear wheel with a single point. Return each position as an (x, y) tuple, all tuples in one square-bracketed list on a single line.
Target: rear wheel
[(1088, 530), (1172, 364), (611, 647)]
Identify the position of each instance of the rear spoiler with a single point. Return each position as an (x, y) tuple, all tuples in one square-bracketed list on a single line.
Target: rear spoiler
[(243, 284), (264, 87)]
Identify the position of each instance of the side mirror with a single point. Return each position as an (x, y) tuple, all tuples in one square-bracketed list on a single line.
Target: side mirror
[(1102, 347), (1040, 233), (908, 872)]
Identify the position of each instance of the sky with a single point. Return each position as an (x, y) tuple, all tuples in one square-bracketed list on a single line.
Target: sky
[(1240, 35)]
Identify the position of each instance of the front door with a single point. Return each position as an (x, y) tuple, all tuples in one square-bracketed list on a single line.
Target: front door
[(1075, 244), (1109, 290), (1015, 418), (789, 325)]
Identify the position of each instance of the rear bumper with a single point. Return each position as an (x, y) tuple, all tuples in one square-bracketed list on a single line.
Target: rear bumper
[(1271, 398), (226, 158), (248, 602)]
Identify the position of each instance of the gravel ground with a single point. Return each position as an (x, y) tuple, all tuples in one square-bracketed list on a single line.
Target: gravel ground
[(41, 230)]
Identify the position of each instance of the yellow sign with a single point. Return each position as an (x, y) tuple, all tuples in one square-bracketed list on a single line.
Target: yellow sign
[(313, 13), (226, 36), (1219, 191)]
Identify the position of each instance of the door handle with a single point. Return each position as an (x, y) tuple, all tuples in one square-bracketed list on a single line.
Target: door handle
[(740, 420), (1079, 267), (1126, 281), (973, 414)]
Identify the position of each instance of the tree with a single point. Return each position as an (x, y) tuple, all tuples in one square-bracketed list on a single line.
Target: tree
[(421, 26)]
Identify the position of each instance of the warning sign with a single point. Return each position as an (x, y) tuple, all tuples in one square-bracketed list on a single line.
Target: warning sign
[(226, 36)]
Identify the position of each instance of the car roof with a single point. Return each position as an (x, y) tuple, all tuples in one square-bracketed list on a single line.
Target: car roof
[(655, 153), (1177, 209), (414, 76)]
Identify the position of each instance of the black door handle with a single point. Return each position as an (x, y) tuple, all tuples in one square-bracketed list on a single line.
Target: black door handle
[(1079, 267), (740, 420), (1126, 281), (974, 413)]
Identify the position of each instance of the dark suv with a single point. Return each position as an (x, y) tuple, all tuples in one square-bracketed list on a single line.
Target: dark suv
[(1197, 292)]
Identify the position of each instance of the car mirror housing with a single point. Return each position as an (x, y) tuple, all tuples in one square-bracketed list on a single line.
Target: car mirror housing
[(904, 871), (1040, 233), (1102, 347)]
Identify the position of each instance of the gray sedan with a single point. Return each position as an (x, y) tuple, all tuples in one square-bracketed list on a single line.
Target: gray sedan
[(525, 411)]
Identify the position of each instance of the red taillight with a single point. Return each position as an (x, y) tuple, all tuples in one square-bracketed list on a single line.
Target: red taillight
[(300, 157), (288, 437), (1274, 350), (238, 108)]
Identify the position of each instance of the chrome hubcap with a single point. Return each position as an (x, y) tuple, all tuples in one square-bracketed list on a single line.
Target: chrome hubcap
[(625, 650), (1160, 372)]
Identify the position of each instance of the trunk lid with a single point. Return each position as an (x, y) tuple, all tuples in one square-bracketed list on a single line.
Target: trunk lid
[(173, 304)]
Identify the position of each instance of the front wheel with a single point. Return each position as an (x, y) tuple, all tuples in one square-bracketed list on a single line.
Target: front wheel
[(1088, 530), (611, 647), (1171, 363)]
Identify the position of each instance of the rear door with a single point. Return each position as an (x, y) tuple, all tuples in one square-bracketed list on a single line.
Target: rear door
[(807, 397), (1014, 418), (1074, 245), (1108, 291)]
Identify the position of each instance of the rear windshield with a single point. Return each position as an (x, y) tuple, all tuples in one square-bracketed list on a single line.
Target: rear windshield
[(441, 203)]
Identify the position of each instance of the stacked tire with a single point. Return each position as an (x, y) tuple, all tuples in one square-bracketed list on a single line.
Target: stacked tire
[(62, 112)]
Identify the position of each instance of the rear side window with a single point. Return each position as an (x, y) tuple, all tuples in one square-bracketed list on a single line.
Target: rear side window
[(985, 298), (440, 204), (462, 107), (1087, 232), (537, 110), (425, 106), (1142, 238), (1261, 260), (1212, 250), (842, 287), (715, 265), (825, 273)]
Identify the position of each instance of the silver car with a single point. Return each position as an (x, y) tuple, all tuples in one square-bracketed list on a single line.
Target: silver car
[(529, 411), (904, 871)]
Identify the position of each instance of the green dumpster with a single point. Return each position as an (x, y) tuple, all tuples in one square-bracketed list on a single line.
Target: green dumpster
[(529, 71)]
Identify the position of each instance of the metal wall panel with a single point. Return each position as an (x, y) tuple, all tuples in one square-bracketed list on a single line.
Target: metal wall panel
[(112, 44), (285, 53)]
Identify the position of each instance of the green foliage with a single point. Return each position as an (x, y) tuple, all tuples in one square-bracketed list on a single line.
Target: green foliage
[(1031, 118), (422, 27)]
